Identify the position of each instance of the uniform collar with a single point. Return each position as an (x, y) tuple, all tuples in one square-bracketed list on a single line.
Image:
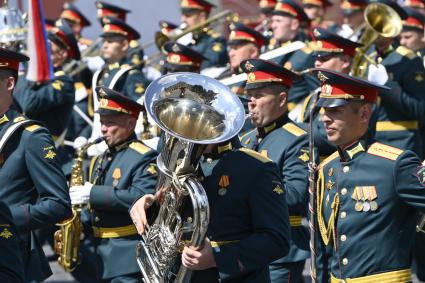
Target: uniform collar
[(279, 122), (122, 145), (223, 148), (354, 150)]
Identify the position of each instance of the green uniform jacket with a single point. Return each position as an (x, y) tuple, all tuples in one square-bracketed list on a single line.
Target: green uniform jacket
[(287, 145), (131, 83), (120, 176), (11, 263), (213, 46), (50, 103), (247, 208), (34, 187), (401, 111), (371, 193)]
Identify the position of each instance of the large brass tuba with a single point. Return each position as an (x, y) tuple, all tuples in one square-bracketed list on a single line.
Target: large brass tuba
[(381, 21), (193, 111), (67, 238)]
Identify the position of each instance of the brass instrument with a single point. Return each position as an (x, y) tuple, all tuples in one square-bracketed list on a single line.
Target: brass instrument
[(74, 67), (67, 239), (193, 111), (13, 30), (161, 39), (381, 21)]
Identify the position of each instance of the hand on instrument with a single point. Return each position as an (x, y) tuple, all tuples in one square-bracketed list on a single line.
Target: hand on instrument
[(377, 74), (80, 194), (79, 142), (138, 210), (199, 259)]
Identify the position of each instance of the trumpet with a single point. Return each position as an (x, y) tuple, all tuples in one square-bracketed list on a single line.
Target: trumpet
[(74, 67)]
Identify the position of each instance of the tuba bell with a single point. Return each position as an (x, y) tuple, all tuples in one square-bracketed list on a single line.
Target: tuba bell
[(193, 111), (381, 21)]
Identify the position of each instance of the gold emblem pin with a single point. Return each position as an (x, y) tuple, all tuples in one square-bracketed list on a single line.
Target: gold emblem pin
[(6, 233), (330, 172), (249, 66)]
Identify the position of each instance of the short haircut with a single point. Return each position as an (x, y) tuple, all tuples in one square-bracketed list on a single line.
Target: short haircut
[(5, 73)]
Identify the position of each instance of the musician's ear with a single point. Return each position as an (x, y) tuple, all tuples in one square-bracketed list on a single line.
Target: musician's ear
[(11, 82)]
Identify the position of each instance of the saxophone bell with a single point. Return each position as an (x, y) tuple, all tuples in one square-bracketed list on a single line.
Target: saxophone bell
[(67, 238)]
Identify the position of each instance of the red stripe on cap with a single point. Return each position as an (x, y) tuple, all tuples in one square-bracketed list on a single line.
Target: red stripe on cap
[(110, 28), (105, 13), (71, 15), (346, 5), (283, 7), (261, 76), (180, 59), (327, 46), (193, 4), (113, 105), (413, 22), (414, 3), (6, 63), (241, 35), (65, 40), (367, 94), (267, 3)]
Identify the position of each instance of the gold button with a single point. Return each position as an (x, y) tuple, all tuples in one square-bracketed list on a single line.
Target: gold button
[(343, 214), (343, 238), (346, 169), (209, 160), (345, 261), (344, 191)]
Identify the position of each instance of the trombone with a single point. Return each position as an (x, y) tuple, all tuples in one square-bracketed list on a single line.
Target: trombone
[(161, 39)]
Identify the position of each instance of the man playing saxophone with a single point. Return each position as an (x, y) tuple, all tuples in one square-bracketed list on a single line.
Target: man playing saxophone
[(117, 178)]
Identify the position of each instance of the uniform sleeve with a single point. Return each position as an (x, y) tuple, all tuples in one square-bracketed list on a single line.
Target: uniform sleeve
[(295, 175), (409, 177), (11, 262), (143, 181), (53, 203), (135, 84), (38, 99), (216, 53), (270, 228)]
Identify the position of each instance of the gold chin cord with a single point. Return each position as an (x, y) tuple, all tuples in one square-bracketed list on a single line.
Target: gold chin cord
[(193, 111), (67, 238)]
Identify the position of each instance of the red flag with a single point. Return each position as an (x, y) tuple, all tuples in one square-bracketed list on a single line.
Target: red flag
[(40, 68)]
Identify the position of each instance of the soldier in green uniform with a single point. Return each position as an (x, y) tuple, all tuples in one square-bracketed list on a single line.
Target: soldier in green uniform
[(368, 193), (286, 143), (353, 18), (181, 58), (400, 111), (205, 41), (412, 35), (248, 226), (11, 263), (52, 102), (336, 53), (316, 11), (288, 23), (125, 172), (135, 54), (31, 181)]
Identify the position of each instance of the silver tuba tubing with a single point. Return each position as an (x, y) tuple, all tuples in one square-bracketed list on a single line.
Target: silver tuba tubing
[(193, 111)]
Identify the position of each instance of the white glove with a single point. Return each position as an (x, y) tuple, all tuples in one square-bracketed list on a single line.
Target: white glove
[(377, 74), (80, 194), (79, 142)]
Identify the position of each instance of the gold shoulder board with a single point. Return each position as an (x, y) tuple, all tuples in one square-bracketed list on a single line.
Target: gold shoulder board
[(294, 129), (255, 154), (384, 151), (32, 128), (139, 147), (406, 52)]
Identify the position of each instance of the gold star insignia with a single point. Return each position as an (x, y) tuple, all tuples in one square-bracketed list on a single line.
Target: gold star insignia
[(419, 76), (278, 189), (50, 154), (139, 88), (217, 47), (6, 233), (57, 85), (304, 155), (330, 184)]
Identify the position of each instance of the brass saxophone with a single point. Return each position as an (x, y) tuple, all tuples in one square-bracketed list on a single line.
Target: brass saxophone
[(67, 238)]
